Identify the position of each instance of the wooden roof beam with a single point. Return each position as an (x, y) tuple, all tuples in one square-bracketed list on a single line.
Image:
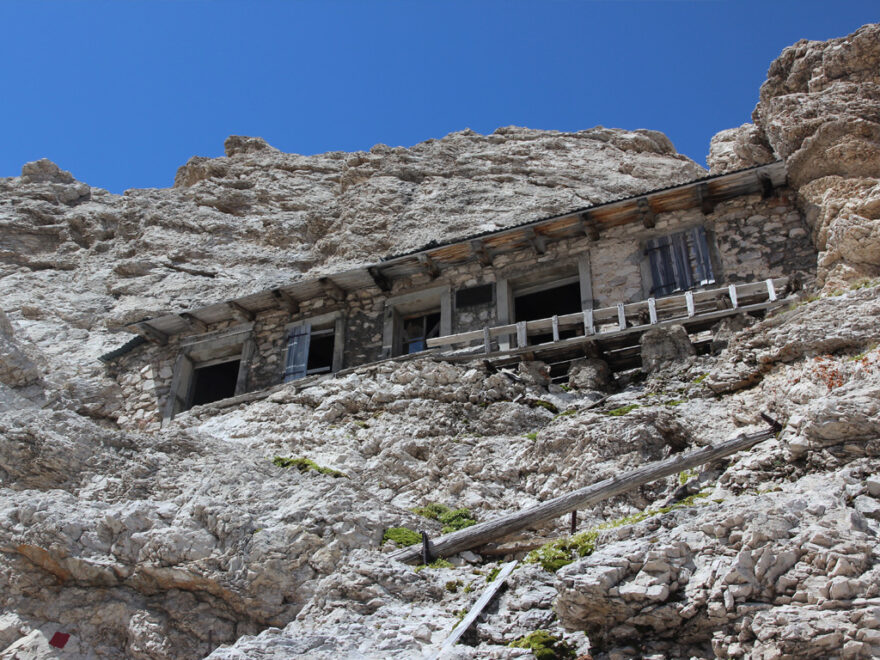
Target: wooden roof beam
[(704, 198), (150, 333), (588, 225), (195, 324), (646, 213), (332, 289), (285, 301), (766, 183), (379, 279), (241, 311), (537, 241), (479, 249), (430, 266)]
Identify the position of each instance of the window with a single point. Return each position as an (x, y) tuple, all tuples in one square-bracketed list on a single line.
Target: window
[(679, 262), (309, 352), (415, 331)]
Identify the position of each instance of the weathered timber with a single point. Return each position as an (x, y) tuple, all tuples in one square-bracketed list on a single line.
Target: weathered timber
[(332, 289), (285, 301), (240, 311), (195, 324), (481, 533), (537, 241), (379, 279), (474, 612), (646, 213), (430, 267), (482, 254), (150, 333)]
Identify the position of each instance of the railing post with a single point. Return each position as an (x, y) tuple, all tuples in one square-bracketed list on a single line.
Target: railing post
[(621, 316), (521, 335), (771, 290), (689, 299), (652, 310), (731, 290), (588, 322), (487, 340), (555, 322)]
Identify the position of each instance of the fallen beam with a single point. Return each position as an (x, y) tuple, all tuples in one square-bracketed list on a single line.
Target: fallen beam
[(474, 612), (482, 533)]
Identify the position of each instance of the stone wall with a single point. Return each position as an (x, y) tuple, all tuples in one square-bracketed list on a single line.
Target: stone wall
[(751, 239)]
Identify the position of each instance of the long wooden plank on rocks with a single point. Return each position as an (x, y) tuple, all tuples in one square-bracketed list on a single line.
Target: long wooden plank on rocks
[(481, 533), (474, 612)]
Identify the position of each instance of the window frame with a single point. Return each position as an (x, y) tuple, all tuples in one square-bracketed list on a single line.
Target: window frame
[(688, 254), (332, 323)]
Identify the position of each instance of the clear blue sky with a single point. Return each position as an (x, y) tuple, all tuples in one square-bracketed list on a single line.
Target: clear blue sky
[(123, 92)]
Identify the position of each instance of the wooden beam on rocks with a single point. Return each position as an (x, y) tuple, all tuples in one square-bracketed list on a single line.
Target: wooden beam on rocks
[(537, 241), (492, 530), (379, 279), (241, 311), (430, 267), (285, 301), (150, 333), (195, 324), (332, 289), (646, 213), (479, 249)]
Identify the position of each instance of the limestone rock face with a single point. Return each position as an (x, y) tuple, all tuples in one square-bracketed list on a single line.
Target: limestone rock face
[(738, 148), (820, 111)]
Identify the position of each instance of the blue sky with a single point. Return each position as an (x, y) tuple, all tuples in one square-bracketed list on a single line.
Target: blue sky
[(123, 92)]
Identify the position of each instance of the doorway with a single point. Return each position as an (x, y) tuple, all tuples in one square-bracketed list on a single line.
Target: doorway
[(545, 301)]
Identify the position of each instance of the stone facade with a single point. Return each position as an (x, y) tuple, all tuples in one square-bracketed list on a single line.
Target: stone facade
[(750, 238)]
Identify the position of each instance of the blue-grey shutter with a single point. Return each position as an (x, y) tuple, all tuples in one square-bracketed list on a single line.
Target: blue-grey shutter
[(681, 262), (662, 274), (702, 261), (297, 353)]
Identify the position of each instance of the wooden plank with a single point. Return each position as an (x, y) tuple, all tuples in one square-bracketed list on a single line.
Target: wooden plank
[(535, 239), (491, 530), (484, 599), (479, 249), (195, 324), (646, 213), (332, 289), (379, 279)]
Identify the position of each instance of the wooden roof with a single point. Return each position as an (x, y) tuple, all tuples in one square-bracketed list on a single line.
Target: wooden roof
[(591, 221)]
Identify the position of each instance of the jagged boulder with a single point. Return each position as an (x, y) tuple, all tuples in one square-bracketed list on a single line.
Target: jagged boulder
[(664, 346)]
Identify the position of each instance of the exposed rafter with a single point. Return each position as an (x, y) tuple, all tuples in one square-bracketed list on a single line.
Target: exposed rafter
[(539, 244), (195, 324), (430, 267), (285, 301), (646, 213), (241, 312), (588, 225), (766, 184), (479, 249), (150, 333), (379, 278), (332, 289), (707, 203)]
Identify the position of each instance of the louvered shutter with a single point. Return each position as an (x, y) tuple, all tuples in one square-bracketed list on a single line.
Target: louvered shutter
[(662, 273), (297, 353), (702, 262), (681, 262)]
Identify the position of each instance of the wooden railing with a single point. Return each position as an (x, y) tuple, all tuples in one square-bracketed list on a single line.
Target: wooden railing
[(623, 318)]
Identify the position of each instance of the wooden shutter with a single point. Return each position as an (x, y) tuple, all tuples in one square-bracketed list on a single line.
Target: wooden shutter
[(297, 353), (662, 273), (702, 262), (681, 262)]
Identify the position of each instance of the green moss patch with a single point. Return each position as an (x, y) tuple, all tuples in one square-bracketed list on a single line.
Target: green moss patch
[(437, 563), (451, 519), (554, 555), (304, 465), (544, 646), (402, 536), (540, 403), (623, 410)]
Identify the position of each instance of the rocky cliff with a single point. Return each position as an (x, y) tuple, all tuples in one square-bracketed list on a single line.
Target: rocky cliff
[(192, 541)]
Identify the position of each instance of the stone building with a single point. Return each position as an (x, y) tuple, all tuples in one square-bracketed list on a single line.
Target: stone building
[(738, 227)]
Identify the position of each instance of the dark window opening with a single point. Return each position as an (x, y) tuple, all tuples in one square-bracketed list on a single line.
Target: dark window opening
[(679, 262), (475, 295), (215, 382), (309, 352), (321, 352), (417, 330), (555, 301)]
